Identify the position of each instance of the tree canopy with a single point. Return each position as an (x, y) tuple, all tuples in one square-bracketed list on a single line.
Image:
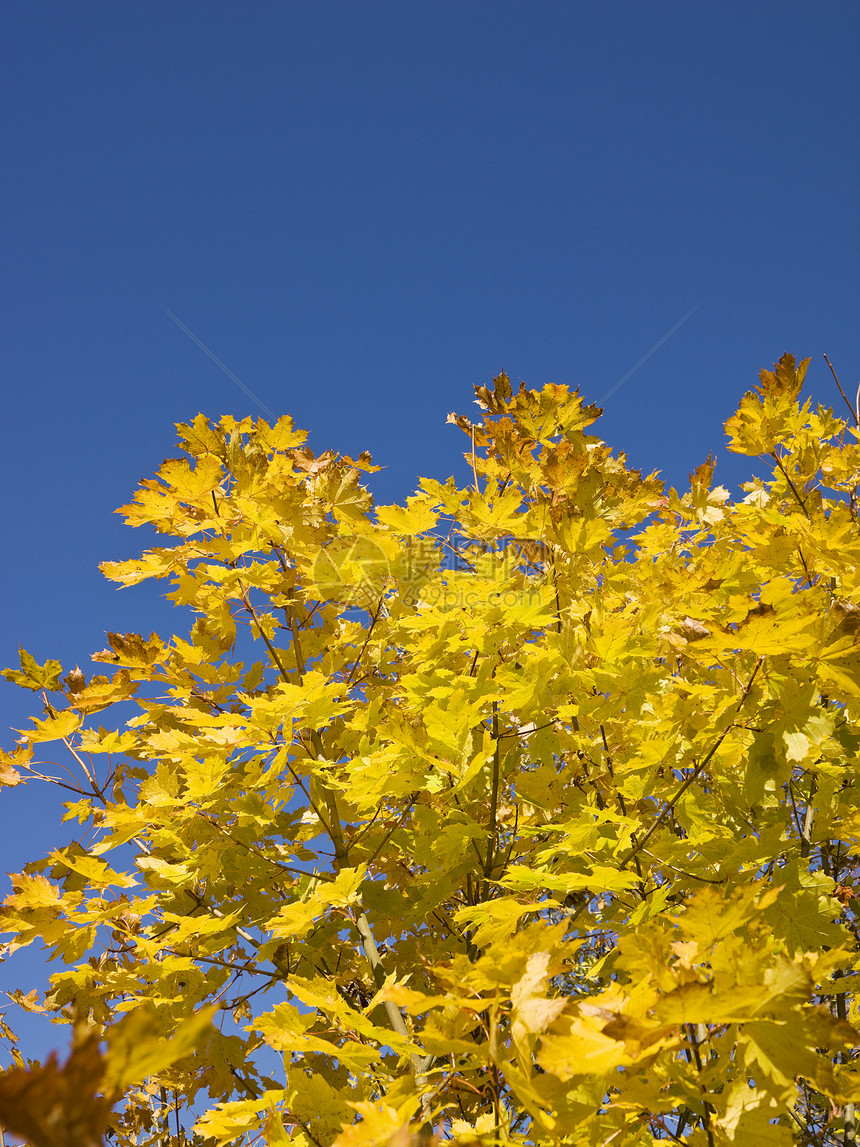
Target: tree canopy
[(522, 813)]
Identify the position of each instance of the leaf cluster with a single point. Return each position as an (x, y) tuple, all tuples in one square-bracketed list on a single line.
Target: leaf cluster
[(522, 813)]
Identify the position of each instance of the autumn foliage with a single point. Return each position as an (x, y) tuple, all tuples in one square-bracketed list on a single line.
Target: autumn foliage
[(522, 813)]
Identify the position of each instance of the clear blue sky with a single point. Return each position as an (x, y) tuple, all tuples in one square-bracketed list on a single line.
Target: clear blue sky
[(363, 209)]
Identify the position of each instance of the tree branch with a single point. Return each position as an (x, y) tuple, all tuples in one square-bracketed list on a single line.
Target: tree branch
[(494, 796)]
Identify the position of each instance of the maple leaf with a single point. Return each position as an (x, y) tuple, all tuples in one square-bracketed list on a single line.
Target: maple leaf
[(33, 676)]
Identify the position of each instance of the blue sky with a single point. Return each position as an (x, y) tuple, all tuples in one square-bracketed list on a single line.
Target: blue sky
[(365, 209)]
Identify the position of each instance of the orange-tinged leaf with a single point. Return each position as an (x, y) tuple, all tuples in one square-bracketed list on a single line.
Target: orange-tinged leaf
[(54, 1106)]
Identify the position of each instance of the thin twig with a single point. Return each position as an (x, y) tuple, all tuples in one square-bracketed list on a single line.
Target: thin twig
[(855, 410), (390, 832), (87, 772), (681, 872), (366, 639), (261, 855), (297, 649), (800, 500), (52, 780), (273, 653)]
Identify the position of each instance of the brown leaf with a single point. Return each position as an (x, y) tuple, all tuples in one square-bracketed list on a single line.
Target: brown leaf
[(8, 776), (692, 630), (703, 474), (58, 1107), (76, 681)]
